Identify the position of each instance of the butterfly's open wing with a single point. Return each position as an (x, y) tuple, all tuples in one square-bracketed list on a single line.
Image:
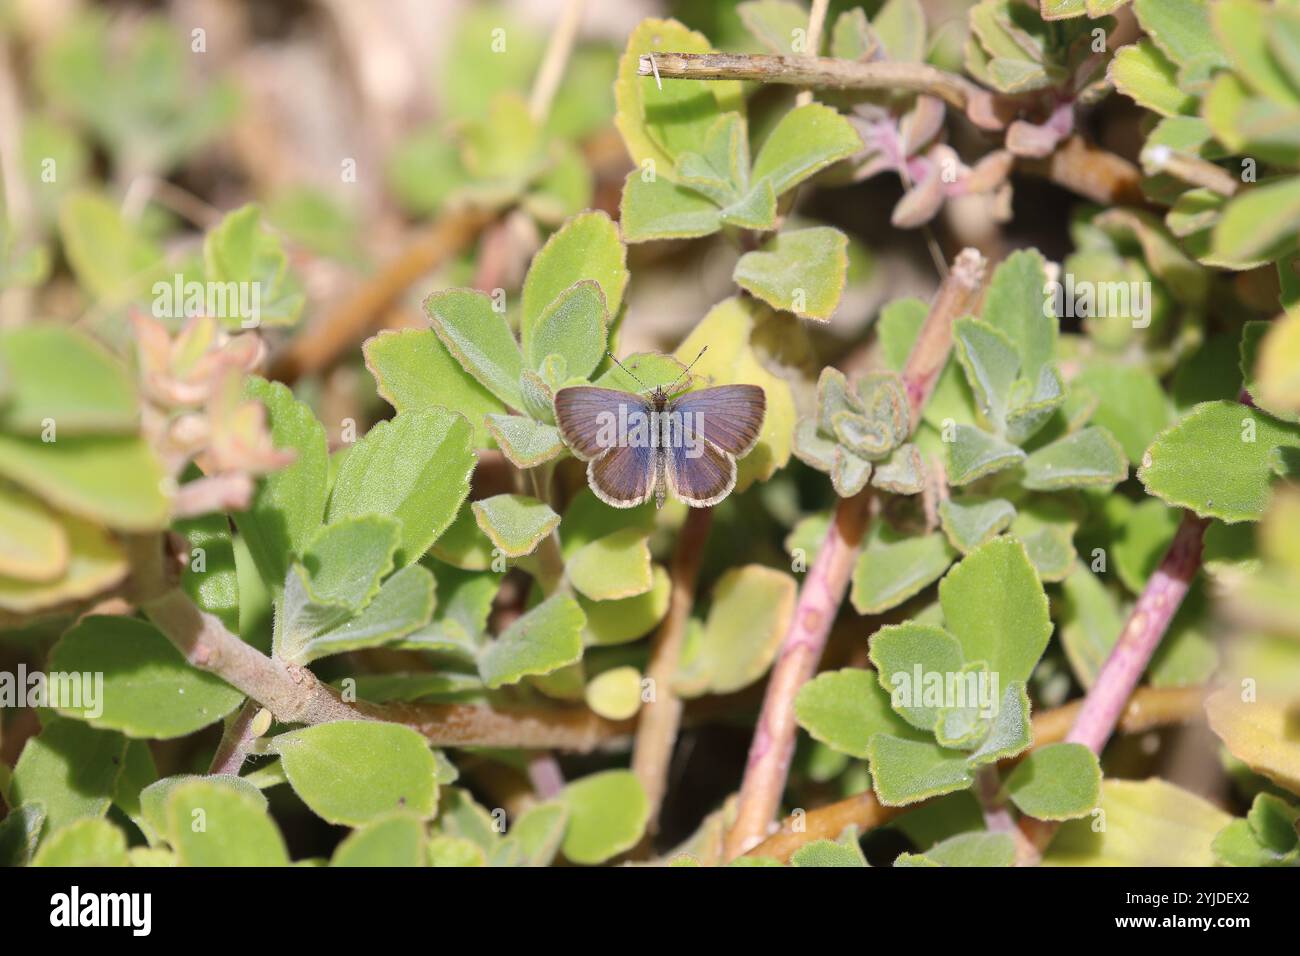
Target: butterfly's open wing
[(623, 477), (729, 416), (584, 415), (703, 480)]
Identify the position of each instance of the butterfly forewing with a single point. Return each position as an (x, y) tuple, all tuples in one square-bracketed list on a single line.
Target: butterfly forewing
[(729, 416), (583, 414)]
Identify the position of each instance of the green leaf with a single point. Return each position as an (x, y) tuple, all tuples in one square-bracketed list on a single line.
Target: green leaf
[(20, 831), (972, 521), (539, 832), (902, 653), (974, 453), (991, 364), (94, 562), (307, 631), (965, 849), (907, 771), (1218, 461), (1260, 350), (1258, 225), (774, 22), (398, 840), (900, 24), (1014, 306), (804, 141), (655, 208), (87, 842), (57, 374), (751, 610), (614, 694), (516, 524), (1244, 28), (348, 558), (415, 468), (478, 337), (542, 641), (607, 815), (413, 370), (1009, 733), (1056, 782), (1145, 75), (1147, 823), (1086, 458), (829, 853), (626, 619), (250, 262), (660, 120), (525, 442), (1090, 623), (153, 799), (211, 578), (800, 271), (352, 772), (148, 690), (611, 567), (573, 327), (70, 768), (994, 604), (209, 824), (67, 473), (1130, 403), (844, 709), (287, 507), (889, 572), (112, 260), (587, 247)]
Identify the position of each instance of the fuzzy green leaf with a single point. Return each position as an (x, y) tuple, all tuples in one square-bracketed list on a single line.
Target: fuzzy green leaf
[(1144, 74), (1086, 458), (149, 690), (70, 768), (801, 271), (890, 572), (612, 567), (607, 815), (352, 772), (1218, 461), (239, 254), (209, 824), (525, 442), (515, 523), (57, 374), (398, 840), (972, 521), (899, 652), (573, 327), (974, 453), (656, 208), (844, 709), (805, 140), (87, 842), (1056, 782), (414, 468), (478, 337), (908, 771), (348, 558), (965, 849), (542, 641)]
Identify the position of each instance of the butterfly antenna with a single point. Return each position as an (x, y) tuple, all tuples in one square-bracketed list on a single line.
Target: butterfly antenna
[(624, 368), (688, 368)]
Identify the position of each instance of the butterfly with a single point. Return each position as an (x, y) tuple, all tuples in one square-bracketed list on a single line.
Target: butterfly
[(637, 446)]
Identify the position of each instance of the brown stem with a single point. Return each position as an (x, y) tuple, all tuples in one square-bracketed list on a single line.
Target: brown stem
[(235, 741), (823, 590), (817, 72), (294, 695), (1191, 169), (1091, 172), (657, 726), (1149, 708)]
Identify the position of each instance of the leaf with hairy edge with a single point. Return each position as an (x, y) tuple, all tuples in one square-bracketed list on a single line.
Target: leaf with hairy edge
[(974, 453), (994, 604), (478, 337), (352, 771), (908, 771), (805, 140), (1145, 75), (844, 709), (586, 248), (612, 567), (1014, 306), (1219, 461), (57, 374), (236, 831), (397, 840), (965, 849), (991, 363), (801, 271), (70, 768), (95, 562), (1086, 458), (91, 841), (607, 815), (829, 853), (1056, 782), (413, 370), (515, 523), (573, 327), (625, 619), (288, 505), (972, 521), (1260, 733), (542, 641), (414, 468), (751, 610), (889, 572), (904, 655), (148, 689), (659, 209), (525, 442), (153, 799), (348, 558)]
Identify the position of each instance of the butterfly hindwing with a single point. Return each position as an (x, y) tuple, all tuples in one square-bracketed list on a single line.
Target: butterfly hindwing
[(729, 416), (702, 480), (624, 477)]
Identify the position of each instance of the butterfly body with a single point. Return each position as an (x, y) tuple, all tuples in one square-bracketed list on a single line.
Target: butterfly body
[(638, 446)]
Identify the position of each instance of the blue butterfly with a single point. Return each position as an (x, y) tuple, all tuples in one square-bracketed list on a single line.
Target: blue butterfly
[(637, 446)]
